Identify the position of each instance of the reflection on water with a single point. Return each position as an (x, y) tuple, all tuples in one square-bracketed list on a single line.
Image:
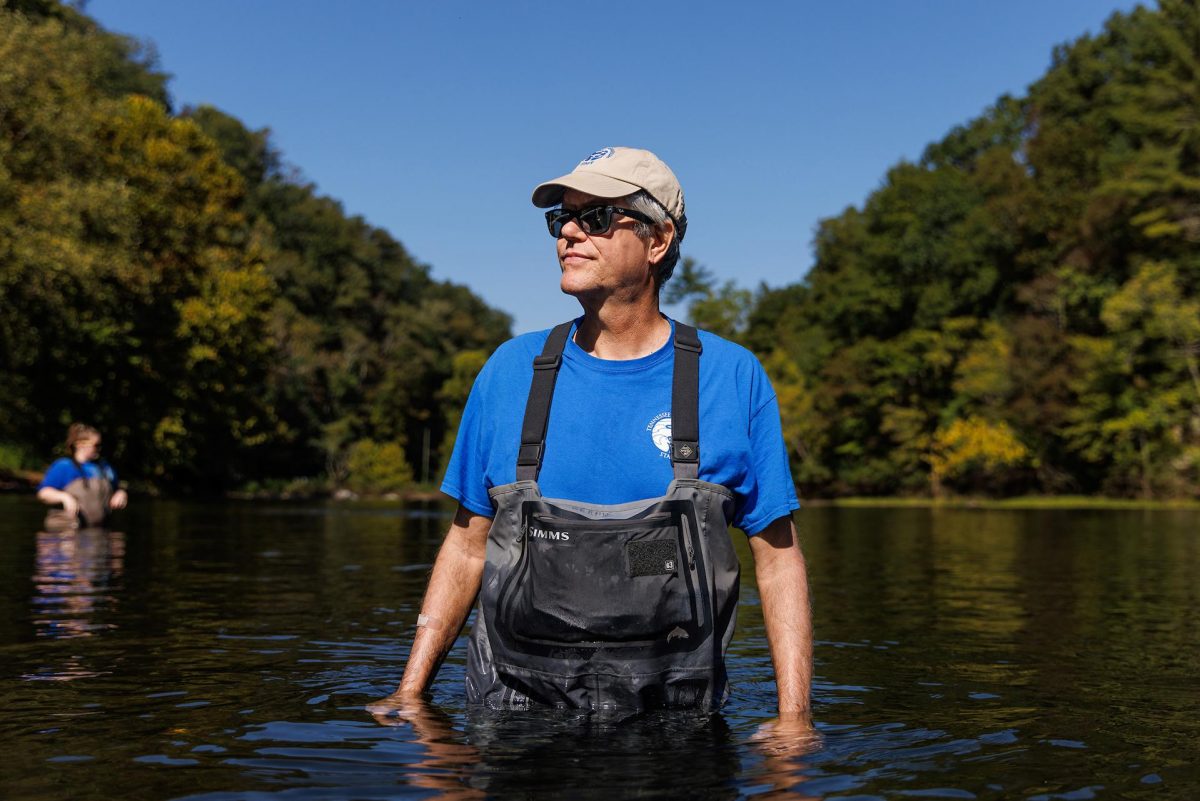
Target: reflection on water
[(76, 579), (225, 651), (78, 573), (516, 754)]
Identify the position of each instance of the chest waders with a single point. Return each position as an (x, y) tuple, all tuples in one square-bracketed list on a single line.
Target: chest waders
[(92, 494), (590, 606)]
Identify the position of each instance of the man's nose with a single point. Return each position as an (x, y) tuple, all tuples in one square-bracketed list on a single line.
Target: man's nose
[(572, 230)]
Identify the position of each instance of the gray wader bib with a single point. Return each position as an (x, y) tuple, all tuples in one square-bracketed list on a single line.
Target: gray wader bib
[(590, 606), (92, 494)]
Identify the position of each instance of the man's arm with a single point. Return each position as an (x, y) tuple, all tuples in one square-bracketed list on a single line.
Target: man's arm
[(783, 590), (457, 573)]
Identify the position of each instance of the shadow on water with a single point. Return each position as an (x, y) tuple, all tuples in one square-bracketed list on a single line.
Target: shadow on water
[(222, 651)]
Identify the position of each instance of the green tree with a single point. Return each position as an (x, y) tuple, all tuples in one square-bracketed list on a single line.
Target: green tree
[(170, 279), (1033, 278)]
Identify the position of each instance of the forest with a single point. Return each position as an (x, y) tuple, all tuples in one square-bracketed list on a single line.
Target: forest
[(1017, 312), (165, 276)]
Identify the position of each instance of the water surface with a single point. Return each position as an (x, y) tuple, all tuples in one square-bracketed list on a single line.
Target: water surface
[(225, 650)]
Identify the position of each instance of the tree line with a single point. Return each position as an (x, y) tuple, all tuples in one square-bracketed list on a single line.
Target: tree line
[(166, 277), (1019, 310)]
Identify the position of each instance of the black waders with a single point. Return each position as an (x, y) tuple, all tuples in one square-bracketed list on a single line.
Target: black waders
[(591, 606)]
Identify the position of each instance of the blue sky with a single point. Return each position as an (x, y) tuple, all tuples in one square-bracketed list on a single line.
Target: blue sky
[(435, 120)]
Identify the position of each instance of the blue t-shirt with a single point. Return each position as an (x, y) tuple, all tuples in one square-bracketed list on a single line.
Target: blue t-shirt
[(608, 439), (64, 471)]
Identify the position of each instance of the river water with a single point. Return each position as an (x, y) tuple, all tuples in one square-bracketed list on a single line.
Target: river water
[(225, 651)]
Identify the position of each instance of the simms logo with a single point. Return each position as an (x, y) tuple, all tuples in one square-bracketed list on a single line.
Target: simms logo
[(544, 534)]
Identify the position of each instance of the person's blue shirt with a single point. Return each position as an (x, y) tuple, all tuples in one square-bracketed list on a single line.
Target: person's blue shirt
[(65, 470), (608, 438)]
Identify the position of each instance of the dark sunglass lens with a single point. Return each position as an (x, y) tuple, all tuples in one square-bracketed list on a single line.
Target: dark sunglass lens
[(596, 219), (555, 220)]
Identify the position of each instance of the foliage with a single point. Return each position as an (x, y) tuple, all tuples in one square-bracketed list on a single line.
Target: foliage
[(377, 467), (454, 393), (1020, 309), (166, 278), (722, 310), (975, 454)]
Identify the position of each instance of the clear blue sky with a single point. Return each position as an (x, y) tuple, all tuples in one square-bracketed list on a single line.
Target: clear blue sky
[(435, 120)]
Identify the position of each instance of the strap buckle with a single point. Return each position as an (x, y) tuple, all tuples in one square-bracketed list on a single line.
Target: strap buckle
[(547, 362), (689, 346), (530, 454)]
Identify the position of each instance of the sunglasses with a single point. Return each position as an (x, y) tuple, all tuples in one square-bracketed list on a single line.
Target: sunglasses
[(593, 219)]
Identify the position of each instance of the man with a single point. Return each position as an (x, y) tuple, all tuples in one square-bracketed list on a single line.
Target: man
[(597, 467)]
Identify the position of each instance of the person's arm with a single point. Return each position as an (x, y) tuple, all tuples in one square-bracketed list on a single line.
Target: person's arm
[(453, 585), (51, 496), (119, 497), (783, 591), (118, 500)]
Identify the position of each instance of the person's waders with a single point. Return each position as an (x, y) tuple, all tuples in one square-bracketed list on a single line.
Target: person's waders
[(92, 494), (590, 606)]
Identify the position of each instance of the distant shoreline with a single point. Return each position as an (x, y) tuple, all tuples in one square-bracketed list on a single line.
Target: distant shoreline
[(26, 482), (1023, 502)]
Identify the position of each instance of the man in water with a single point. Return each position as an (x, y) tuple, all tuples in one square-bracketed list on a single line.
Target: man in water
[(597, 468)]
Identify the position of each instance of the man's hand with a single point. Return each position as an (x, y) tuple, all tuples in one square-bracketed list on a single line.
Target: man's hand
[(444, 759), (118, 500), (397, 709), (788, 735)]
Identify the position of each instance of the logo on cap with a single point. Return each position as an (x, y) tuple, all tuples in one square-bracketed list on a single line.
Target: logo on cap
[(603, 153)]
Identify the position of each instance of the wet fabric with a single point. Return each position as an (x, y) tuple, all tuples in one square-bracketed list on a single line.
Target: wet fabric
[(613, 419), (607, 606)]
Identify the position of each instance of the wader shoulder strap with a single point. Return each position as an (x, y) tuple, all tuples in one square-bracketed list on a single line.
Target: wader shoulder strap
[(79, 469), (537, 408), (685, 403)]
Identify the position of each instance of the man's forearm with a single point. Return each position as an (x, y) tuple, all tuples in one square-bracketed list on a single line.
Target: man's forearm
[(783, 591), (457, 573)]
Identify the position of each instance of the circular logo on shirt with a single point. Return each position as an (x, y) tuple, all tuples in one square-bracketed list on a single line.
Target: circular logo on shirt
[(660, 433)]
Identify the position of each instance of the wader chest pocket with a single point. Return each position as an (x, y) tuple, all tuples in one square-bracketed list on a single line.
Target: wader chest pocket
[(607, 582)]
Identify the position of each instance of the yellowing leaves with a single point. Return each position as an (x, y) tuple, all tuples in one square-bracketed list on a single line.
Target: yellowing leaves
[(977, 450)]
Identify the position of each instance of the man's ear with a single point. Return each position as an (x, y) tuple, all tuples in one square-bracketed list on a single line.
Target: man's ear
[(664, 235)]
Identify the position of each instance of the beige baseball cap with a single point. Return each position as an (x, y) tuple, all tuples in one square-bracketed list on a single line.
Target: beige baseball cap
[(616, 172)]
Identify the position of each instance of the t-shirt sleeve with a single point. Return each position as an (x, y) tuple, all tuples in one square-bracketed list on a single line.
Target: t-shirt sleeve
[(464, 479), (59, 475), (772, 494)]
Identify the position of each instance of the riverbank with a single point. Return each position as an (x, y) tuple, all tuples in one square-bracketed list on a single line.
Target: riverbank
[(1023, 502), (19, 480), (26, 481)]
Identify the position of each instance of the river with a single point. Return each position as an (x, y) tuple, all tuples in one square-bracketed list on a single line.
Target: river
[(225, 650)]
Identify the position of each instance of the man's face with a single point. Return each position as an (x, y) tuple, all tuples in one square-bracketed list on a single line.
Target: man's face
[(601, 265)]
